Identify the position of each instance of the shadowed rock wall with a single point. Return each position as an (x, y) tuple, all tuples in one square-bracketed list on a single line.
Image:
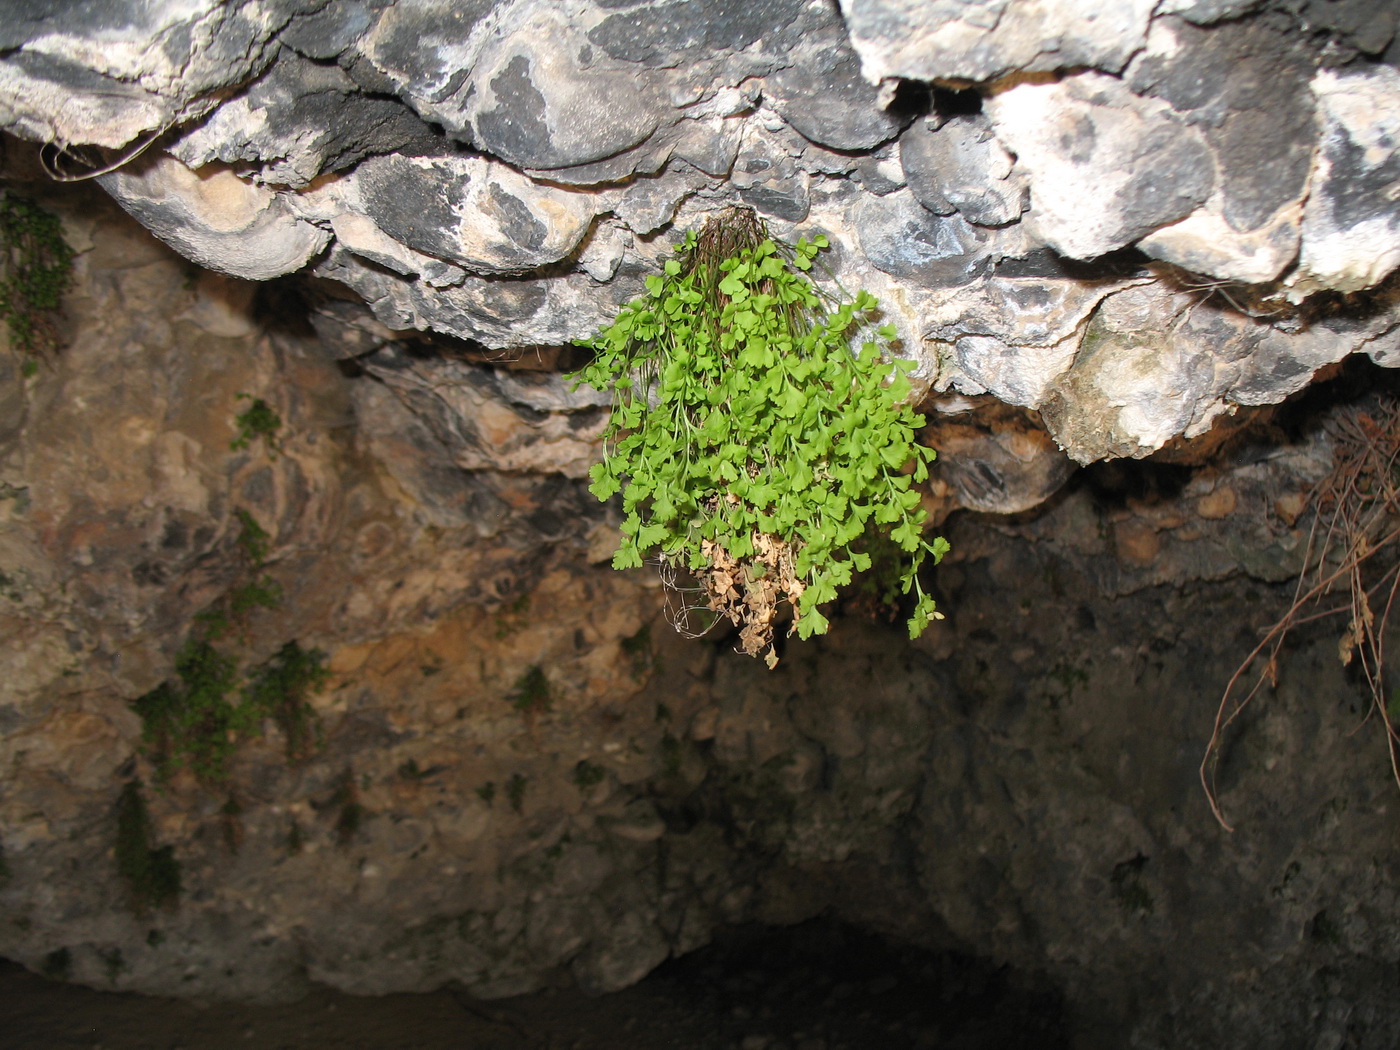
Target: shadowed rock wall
[(1020, 782)]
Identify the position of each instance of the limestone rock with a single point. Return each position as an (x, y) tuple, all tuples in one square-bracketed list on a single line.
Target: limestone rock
[(1246, 90), (1106, 167), (217, 219), (298, 120), (1015, 338), (1351, 227), (91, 74), (523, 84), (508, 312), (823, 96), (665, 33), (902, 238), (986, 39), (961, 167), (498, 420), (472, 212)]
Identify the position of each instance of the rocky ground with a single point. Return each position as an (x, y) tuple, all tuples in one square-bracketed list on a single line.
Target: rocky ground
[(816, 986)]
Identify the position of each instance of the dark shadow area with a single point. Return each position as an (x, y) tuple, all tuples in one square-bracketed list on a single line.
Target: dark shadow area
[(825, 984), (819, 985)]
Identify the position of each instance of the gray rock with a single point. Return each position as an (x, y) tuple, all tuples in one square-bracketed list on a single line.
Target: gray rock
[(423, 51), (710, 145), (986, 39), (470, 211), (823, 95), (768, 178), (905, 240), (1204, 12), (961, 167), (1150, 366), (217, 219), (498, 312), (1105, 166), (648, 203), (663, 33), (90, 74), (881, 172), (329, 32), (1351, 227), (539, 95), (1016, 338), (1244, 85), (300, 119)]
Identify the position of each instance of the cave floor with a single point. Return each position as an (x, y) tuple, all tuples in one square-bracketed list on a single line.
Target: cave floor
[(746, 992)]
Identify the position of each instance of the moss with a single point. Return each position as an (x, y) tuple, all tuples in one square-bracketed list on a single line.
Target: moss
[(532, 691), (588, 775), (252, 537), (193, 721), (350, 812), (152, 875), (18, 493), (113, 963), (1325, 929), (670, 755), (487, 792), (638, 649), (349, 822), (515, 791), (280, 689), (258, 420), (512, 619), (190, 722), (231, 821), (36, 269)]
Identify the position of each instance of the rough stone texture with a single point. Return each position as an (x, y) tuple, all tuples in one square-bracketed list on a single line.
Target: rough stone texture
[(1020, 781), (482, 216), (1106, 166), (1351, 225), (216, 219), (1103, 240), (300, 119), (986, 39), (1247, 91), (89, 74), (507, 172), (961, 167)]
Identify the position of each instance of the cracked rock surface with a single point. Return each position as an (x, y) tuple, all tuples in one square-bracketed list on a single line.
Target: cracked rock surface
[(504, 172)]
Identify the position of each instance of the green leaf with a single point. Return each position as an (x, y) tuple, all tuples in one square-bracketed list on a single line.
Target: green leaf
[(812, 622), (734, 379), (924, 612)]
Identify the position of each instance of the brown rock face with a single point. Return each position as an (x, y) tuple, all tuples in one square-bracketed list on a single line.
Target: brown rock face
[(514, 774)]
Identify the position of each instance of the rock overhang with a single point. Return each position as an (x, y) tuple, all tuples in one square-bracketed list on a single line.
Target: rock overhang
[(505, 172)]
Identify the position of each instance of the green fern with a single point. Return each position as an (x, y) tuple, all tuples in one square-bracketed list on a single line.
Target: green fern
[(759, 432)]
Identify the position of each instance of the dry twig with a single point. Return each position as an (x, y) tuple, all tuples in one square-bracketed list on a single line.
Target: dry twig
[(1356, 505)]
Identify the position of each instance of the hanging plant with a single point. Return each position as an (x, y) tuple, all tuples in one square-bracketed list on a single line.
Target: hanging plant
[(755, 444)]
